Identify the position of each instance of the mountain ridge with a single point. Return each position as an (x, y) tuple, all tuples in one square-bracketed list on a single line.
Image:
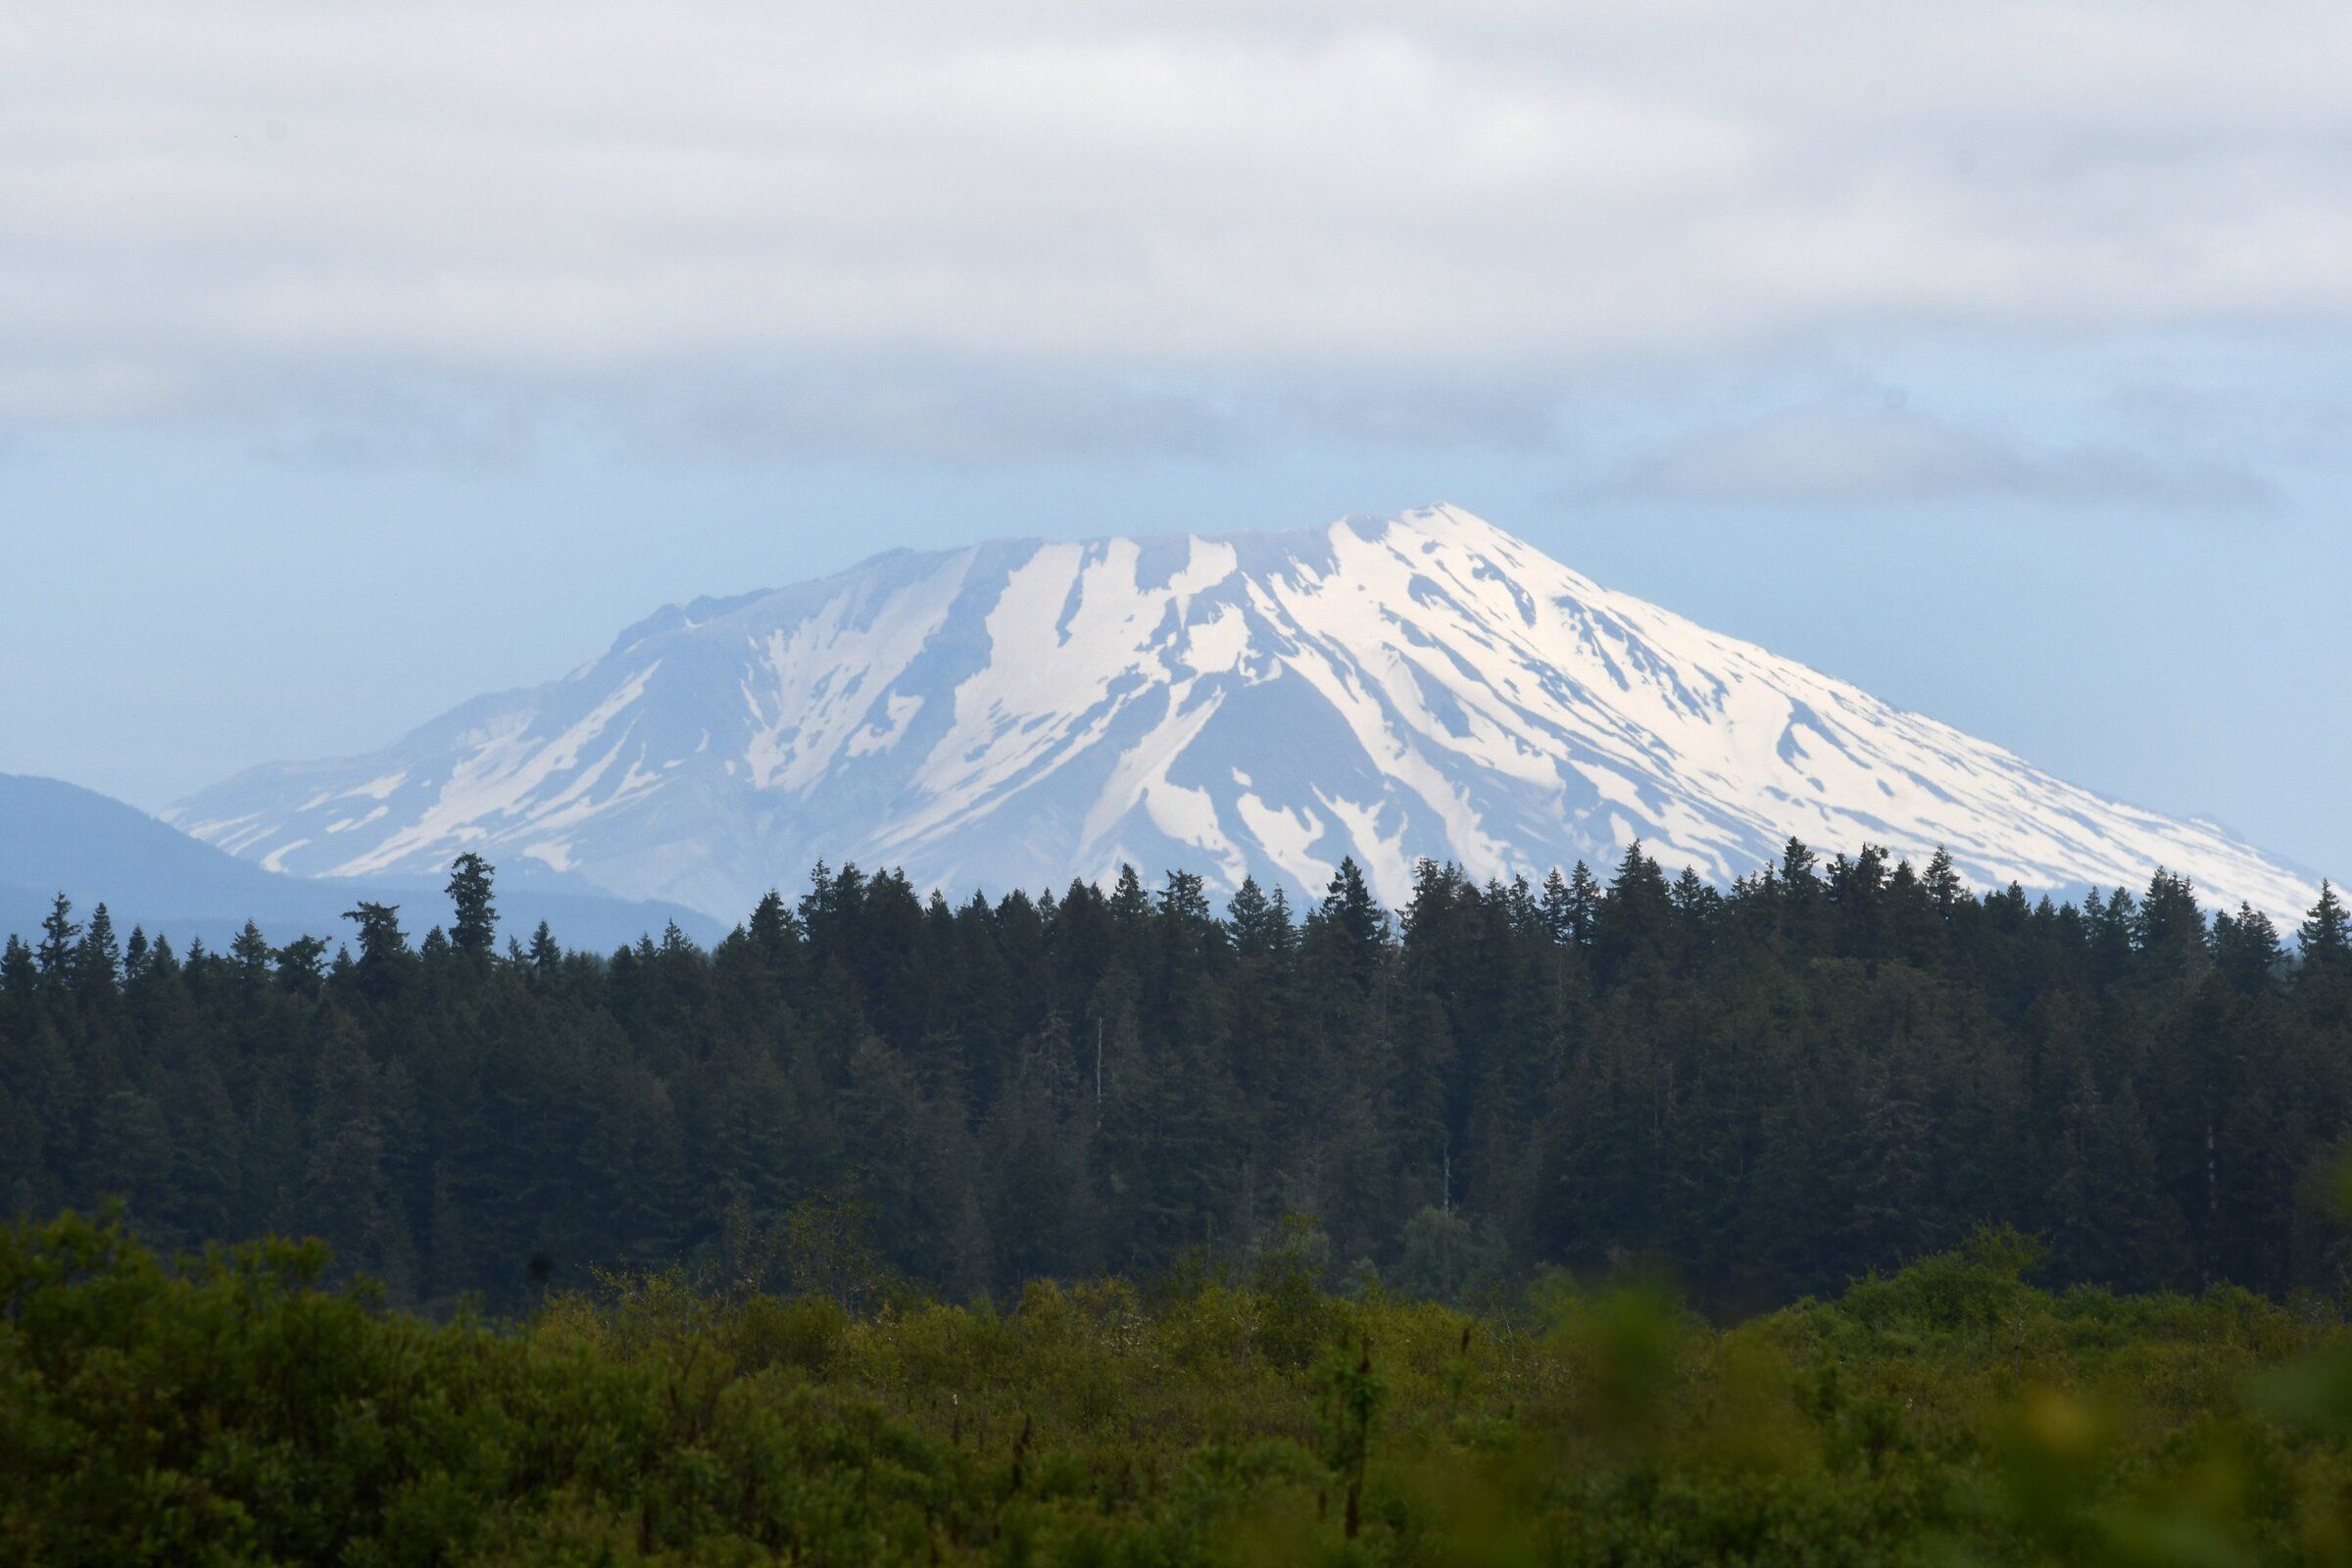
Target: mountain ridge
[(1020, 711), (57, 837)]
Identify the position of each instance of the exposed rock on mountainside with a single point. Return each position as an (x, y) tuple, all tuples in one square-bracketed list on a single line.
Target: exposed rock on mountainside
[(1020, 714)]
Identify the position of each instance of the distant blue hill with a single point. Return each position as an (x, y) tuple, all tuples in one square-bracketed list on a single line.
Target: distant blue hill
[(57, 838)]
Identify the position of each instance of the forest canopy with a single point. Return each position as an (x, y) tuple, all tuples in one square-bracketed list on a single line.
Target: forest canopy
[(1759, 1092)]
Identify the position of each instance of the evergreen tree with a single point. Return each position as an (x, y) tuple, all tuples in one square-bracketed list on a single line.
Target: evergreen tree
[(1942, 882), (344, 1181), (1763, 1089), (98, 962), (59, 933), (474, 931), (1634, 925), (2325, 935), (2246, 952), (249, 950), (19, 970), (2324, 976), (2169, 934), (384, 960), (302, 967)]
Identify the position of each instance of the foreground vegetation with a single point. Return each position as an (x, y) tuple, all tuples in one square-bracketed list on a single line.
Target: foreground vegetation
[(233, 1409), (1828, 1068)]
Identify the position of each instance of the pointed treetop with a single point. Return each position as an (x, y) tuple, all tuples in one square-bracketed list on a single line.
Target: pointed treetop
[(1942, 880), (384, 954), (251, 951), (1351, 916), (771, 926), (98, 961), (1638, 875), (1254, 919), (475, 929), (2170, 929), (1127, 898), (58, 932), (17, 971), (2327, 934), (2246, 948)]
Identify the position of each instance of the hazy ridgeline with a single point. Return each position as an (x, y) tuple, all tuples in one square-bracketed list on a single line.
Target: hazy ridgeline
[(1759, 1093)]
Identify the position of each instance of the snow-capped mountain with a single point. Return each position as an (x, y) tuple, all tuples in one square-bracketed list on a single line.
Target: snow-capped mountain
[(1019, 714)]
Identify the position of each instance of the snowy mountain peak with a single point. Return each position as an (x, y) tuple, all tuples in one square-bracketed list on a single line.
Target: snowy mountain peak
[(1020, 712)]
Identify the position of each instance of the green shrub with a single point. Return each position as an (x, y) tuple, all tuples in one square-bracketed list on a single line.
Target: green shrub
[(233, 1408)]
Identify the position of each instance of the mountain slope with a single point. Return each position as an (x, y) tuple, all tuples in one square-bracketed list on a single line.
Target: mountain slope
[(58, 838), (1018, 713)]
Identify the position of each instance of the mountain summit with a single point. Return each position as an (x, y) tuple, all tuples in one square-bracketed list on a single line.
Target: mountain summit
[(1018, 713)]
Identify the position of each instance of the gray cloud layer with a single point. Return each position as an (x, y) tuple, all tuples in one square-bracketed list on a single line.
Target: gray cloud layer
[(1827, 456), (199, 202)]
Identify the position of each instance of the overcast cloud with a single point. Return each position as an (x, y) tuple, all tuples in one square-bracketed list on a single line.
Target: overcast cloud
[(1826, 455), (358, 358), (207, 206)]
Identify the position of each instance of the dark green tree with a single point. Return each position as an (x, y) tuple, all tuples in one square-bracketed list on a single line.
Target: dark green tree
[(474, 931)]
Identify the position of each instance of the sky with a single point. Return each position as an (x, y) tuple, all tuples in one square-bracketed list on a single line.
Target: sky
[(354, 360)]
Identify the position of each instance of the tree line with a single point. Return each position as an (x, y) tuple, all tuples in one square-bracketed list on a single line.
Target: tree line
[(1761, 1092)]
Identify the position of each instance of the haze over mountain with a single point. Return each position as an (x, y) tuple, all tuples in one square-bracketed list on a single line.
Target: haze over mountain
[(58, 838), (1018, 713)]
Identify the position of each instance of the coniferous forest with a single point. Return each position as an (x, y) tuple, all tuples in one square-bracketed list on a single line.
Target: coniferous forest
[(1755, 1095)]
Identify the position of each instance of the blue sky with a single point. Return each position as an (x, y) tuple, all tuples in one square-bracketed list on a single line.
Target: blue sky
[(1999, 360)]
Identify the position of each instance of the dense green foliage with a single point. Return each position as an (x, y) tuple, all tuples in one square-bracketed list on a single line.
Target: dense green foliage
[(231, 1411), (1760, 1093)]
